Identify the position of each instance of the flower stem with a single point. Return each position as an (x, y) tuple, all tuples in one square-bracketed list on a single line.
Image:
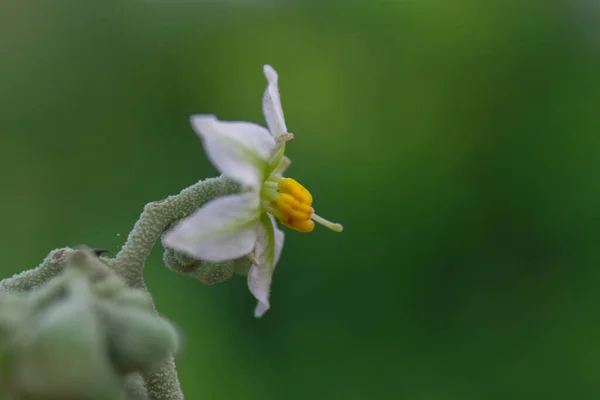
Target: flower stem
[(51, 266), (163, 384), (156, 218)]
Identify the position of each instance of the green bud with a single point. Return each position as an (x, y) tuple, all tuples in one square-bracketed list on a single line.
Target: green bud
[(110, 286), (51, 293), (61, 355), (14, 312), (184, 259), (85, 260), (138, 340), (212, 273), (173, 260), (206, 272), (135, 298)]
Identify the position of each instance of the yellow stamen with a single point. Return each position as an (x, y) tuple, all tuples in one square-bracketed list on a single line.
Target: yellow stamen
[(291, 204), (293, 188), (284, 137), (301, 225)]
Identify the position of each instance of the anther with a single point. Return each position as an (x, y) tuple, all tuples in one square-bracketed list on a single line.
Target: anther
[(293, 188), (292, 206), (305, 225), (288, 204), (284, 137)]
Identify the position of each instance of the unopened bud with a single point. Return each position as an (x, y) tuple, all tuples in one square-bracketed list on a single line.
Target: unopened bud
[(212, 273), (138, 340), (178, 263), (134, 298), (61, 356)]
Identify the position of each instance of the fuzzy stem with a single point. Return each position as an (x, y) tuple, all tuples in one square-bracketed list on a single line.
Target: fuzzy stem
[(163, 384), (157, 217), (51, 266)]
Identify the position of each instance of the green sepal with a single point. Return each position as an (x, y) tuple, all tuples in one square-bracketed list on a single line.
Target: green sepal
[(138, 340), (61, 355)]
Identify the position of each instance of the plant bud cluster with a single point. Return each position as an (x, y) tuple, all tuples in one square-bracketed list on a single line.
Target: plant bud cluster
[(79, 336)]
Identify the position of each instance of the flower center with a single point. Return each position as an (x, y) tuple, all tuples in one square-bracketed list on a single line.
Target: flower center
[(291, 203)]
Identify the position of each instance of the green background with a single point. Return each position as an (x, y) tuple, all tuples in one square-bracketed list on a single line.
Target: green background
[(457, 141)]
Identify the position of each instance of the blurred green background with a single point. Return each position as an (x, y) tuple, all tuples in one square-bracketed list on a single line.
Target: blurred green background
[(457, 141)]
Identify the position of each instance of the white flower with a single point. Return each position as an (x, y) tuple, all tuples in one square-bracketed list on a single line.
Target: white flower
[(243, 224)]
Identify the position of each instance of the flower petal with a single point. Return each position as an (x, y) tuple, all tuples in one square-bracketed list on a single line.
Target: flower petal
[(272, 103), (279, 239), (241, 150), (269, 243), (222, 229)]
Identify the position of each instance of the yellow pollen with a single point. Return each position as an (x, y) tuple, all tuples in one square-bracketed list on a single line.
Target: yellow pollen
[(293, 204), (289, 204), (302, 226), (293, 188)]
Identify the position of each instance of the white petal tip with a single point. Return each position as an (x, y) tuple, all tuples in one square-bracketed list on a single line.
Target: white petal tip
[(202, 118), (270, 73), (260, 310)]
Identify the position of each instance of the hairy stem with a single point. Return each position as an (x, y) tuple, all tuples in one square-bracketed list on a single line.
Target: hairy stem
[(157, 217), (163, 384), (51, 266)]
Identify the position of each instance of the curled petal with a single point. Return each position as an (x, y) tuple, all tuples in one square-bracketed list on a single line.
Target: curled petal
[(272, 103), (222, 229), (241, 150), (269, 243)]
